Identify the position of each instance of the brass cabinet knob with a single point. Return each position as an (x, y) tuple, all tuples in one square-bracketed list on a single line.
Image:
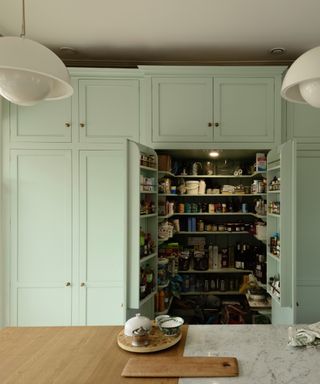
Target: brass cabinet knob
[(67, 125), (209, 124), (216, 124), (82, 284), (82, 125), (68, 284)]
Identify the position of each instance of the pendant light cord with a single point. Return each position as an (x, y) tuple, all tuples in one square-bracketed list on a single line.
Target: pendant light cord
[(23, 26)]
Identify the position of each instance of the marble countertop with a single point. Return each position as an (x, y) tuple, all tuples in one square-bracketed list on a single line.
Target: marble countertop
[(262, 352)]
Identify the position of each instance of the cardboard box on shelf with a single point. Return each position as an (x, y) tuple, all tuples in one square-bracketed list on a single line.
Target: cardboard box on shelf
[(164, 163)]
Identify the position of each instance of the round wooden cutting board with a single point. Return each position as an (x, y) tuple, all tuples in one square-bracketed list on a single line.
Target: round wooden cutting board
[(157, 341)]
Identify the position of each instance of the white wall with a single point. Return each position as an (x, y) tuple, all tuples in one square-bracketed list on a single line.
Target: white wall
[(2, 264)]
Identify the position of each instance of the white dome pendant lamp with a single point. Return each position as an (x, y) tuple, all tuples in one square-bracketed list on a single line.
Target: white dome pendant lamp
[(30, 72), (301, 83)]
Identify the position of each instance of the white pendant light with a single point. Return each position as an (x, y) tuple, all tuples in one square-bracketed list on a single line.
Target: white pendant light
[(301, 83), (30, 72)]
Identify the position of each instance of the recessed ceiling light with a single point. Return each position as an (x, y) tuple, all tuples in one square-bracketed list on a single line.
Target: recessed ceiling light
[(277, 51), (214, 154), (67, 50)]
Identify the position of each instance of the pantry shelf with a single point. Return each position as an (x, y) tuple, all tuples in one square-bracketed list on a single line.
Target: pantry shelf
[(210, 293), (148, 168), (213, 233), (147, 298), (148, 216), (220, 270), (148, 257)]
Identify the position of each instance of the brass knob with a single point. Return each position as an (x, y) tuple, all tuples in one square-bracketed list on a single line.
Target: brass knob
[(82, 284), (216, 124), (68, 284), (82, 125), (209, 124), (67, 125)]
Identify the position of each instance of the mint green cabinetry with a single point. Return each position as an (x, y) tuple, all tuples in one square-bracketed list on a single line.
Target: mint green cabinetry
[(244, 110), (303, 123), (228, 107), (298, 264), (41, 237), (45, 122), (182, 110), (307, 242), (109, 110), (102, 237)]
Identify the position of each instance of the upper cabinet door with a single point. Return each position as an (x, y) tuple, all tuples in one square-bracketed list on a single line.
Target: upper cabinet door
[(109, 110), (48, 121), (182, 110), (244, 110), (303, 122)]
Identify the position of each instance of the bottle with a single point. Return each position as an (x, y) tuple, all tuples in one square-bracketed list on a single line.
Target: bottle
[(161, 305), (210, 251), (237, 256), (143, 284), (224, 258), (149, 277)]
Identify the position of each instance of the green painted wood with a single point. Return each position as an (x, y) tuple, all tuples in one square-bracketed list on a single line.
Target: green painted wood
[(102, 237), (41, 237), (109, 110), (182, 109), (303, 123), (244, 110), (135, 222), (283, 310), (308, 213), (48, 121)]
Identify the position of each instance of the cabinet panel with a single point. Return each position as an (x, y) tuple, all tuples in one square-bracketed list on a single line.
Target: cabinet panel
[(303, 122), (104, 305), (48, 121), (244, 110), (182, 109), (109, 110), (40, 306), (41, 240), (102, 238)]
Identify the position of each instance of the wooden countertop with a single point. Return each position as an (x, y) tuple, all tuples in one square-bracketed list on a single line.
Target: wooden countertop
[(62, 355)]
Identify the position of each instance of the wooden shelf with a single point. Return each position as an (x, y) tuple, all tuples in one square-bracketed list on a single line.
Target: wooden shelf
[(148, 168), (277, 258), (148, 257), (219, 270), (212, 233), (148, 215), (210, 293), (147, 298)]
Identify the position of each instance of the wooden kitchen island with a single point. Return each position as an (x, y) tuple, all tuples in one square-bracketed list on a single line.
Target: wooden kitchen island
[(90, 355), (73, 355)]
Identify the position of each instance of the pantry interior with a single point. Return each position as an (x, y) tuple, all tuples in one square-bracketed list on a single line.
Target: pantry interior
[(212, 236)]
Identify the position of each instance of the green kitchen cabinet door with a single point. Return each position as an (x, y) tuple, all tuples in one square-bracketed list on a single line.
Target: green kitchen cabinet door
[(182, 110), (41, 237), (244, 110), (303, 123), (48, 121), (102, 237), (307, 241), (109, 110)]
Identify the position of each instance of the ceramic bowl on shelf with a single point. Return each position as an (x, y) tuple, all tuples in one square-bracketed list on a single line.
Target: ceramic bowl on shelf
[(170, 326)]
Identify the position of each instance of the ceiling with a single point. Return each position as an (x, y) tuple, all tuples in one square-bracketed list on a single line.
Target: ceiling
[(125, 33)]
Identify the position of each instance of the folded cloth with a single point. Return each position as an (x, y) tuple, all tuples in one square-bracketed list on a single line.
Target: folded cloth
[(305, 337)]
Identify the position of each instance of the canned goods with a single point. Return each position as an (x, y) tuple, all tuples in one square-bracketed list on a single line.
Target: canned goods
[(181, 208)]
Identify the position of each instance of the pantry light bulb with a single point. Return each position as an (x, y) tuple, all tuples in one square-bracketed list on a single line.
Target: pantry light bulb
[(214, 154)]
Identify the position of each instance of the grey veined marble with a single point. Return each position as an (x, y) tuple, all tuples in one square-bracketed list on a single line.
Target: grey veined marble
[(262, 351)]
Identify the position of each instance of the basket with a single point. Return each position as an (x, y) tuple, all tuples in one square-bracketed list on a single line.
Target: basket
[(192, 187)]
